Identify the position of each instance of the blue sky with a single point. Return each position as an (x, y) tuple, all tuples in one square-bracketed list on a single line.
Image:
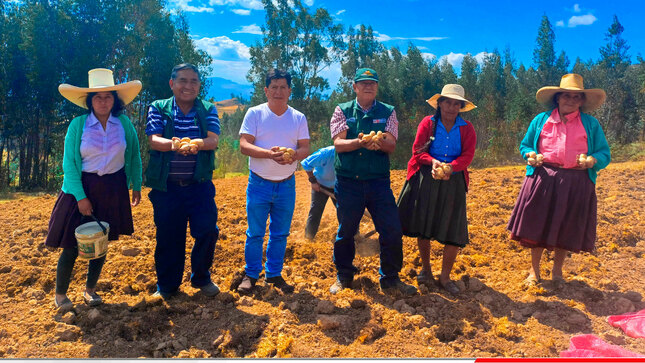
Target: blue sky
[(451, 29)]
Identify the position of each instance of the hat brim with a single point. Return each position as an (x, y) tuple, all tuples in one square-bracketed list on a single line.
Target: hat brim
[(467, 107), (594, 97), (77, 95)]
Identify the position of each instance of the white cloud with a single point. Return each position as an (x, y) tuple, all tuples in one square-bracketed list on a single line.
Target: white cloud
[(233, 70), (184, 5), (249, 29), (309, 2), (241, 11), (576, 8), (581, 20), (384, 38), (246, 4), (455, 59), (223, 47), (340, 12), (428, 56), (559, 23)]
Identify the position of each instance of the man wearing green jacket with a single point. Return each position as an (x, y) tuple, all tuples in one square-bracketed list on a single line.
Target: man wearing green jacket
[(363, 181), (182, 190)]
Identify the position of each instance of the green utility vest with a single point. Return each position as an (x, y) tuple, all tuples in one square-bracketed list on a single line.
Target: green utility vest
[(159, 164), (363, 164)]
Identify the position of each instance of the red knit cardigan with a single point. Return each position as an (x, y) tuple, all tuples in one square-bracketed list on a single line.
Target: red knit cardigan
[(468, 142)]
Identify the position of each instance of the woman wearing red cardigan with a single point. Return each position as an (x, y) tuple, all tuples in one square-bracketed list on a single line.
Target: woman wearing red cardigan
[(432, 204)]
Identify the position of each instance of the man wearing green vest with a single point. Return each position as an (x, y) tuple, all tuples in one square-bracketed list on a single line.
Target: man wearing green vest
[(182, 190), (363, 181)]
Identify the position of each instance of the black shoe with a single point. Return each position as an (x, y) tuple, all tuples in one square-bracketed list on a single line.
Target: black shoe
[(279, 283), (399, 288), (340, 285), (247, 285)]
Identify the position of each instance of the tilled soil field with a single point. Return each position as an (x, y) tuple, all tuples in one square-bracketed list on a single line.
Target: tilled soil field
[(494, 316)]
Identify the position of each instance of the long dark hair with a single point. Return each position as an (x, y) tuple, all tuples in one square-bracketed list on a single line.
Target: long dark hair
[(117, 108)]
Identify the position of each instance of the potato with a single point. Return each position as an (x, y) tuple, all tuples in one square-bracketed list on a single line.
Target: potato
[(198, 142), (531, 161), (185, 139), (539, 158), (176, 144), (367, 137), (447, 168), (360, 135), (590, 159), (532, 154), (185, 147), (291, 151), (175, 138), (439, 173)]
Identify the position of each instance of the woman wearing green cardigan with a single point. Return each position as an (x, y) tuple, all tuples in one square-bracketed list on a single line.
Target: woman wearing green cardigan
[(564, 149), (101, 162)]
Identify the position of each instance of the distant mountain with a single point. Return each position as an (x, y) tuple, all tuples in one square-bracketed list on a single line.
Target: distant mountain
[(221, 89)]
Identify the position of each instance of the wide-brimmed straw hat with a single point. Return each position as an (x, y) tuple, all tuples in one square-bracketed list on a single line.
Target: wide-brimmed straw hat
[(594, 97), (455, 92), (100, 80)]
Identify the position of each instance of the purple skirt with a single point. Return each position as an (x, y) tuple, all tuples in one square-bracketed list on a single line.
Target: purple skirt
[(110, 201), (556, 208)]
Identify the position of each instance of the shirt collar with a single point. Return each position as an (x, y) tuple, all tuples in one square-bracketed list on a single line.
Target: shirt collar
[(458, 121), (555, 116), (92, 120), (177, 111), (365, 110)]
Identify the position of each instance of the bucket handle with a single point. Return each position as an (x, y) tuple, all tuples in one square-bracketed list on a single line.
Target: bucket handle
[(92, 216)]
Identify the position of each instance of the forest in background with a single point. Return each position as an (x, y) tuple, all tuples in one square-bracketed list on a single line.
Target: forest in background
[(45, 43)]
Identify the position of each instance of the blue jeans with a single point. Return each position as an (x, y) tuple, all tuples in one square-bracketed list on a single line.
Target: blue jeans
[(276, 201), (376, 195), (173, 209)]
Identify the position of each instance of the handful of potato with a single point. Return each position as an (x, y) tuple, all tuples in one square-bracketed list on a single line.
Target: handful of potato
[(288, 153), (585, 161), (442, 171), (534, 159), (187, 145), (374, 136)]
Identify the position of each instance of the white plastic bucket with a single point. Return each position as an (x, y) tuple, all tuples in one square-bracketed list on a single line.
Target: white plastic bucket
[(92, 241)]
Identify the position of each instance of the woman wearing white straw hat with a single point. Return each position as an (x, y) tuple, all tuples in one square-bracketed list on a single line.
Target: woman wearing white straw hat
[(101, 161), (564, 149), (432, 203)]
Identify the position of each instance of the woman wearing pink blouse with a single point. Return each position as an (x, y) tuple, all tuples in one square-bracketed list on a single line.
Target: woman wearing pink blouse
[(556, 206)]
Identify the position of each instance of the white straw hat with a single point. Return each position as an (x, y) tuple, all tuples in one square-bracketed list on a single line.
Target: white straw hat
[(455, 92), (100, 80)]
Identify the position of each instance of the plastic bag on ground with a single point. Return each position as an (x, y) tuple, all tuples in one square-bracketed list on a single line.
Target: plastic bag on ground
[(592, 346), (633, 324)]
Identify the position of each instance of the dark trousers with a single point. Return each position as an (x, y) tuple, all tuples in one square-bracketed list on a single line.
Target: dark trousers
[(318, 203), (66, 266), (353, 197), (173, 209)]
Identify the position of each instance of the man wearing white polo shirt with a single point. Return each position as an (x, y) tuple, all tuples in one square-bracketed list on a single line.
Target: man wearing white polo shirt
[(271, 190)]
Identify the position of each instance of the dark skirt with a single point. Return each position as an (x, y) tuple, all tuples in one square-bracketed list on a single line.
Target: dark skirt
[(556, 208), (434, 209), (110, 201)]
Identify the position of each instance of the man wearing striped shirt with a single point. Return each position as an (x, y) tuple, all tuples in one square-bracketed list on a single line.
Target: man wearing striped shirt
[(181, 182)]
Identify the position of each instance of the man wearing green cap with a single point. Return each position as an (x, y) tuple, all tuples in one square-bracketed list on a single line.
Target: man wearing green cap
[(363, 181)]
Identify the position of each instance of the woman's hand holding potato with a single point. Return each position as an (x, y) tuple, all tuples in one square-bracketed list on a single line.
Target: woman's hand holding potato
[(441, 171), (585, 161), (534, 159)]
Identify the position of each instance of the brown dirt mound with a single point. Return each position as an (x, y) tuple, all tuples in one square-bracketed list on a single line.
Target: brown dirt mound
[(495, 316)]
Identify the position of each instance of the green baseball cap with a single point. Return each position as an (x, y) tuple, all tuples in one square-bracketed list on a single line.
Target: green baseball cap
[(365, 74)]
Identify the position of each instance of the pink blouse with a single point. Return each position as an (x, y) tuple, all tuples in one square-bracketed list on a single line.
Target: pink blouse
[(561, 142)]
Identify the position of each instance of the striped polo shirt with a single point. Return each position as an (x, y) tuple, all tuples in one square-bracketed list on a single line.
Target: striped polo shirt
[(181, 167)]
